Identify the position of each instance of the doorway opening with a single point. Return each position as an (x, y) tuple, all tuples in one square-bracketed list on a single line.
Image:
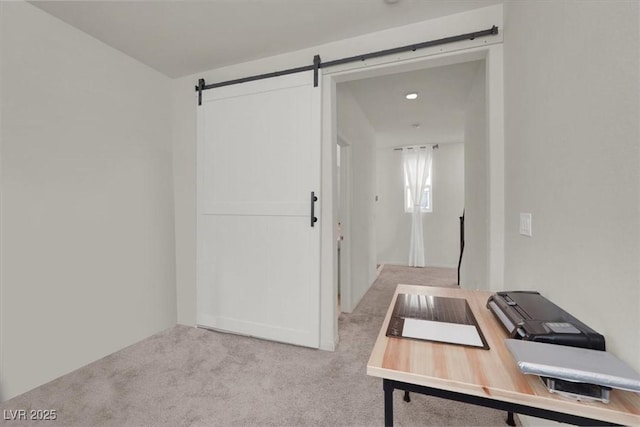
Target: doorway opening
[(372, 154)]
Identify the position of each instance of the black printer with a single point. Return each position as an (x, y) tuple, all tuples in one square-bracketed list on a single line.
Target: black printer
[(529, 316)]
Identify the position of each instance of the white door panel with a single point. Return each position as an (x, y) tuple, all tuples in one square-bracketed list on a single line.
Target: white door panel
[(252, 288), (258, 256)]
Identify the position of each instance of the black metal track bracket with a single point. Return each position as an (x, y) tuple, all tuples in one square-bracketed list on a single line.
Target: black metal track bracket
[(199, 89), (316, 67)]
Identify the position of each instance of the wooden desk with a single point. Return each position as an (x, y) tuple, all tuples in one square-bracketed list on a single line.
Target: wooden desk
[(483, 377)]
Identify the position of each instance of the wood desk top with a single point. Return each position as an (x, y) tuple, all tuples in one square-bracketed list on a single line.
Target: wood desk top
[(487, 373)]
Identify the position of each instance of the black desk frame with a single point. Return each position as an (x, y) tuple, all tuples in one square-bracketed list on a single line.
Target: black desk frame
[(390, 385)]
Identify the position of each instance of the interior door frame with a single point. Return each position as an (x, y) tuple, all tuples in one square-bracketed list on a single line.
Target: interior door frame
[(346, 303), (494, 62)]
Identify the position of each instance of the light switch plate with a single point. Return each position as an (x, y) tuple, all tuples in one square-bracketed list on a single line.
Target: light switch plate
[(525, 224)]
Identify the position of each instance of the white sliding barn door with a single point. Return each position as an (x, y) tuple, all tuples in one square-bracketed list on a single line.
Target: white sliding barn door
[(258, 257)]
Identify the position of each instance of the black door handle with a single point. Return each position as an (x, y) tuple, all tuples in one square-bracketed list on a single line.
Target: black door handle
[(314, 199)]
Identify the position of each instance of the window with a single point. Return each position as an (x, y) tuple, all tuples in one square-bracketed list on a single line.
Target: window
[(425, 201), (417, 177)]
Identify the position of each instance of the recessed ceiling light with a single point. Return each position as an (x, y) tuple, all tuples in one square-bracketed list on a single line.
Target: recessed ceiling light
[(415, 125), (412, 95)]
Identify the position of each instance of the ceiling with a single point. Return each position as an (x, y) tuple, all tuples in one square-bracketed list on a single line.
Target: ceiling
[(185, 37), (439, 109)]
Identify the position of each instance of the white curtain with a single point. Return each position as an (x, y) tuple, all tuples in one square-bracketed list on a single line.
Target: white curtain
[(417, 164)]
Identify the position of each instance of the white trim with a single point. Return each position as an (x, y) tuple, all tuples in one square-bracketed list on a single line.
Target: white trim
[(494, 64), (346, 303), (328, 242), (493, 56)]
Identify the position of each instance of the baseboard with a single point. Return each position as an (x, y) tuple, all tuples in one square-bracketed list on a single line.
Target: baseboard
[(328, 345), (381, 266), (453, 267)]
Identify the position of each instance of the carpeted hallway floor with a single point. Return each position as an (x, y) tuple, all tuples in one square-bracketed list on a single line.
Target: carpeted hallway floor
[(186, 376)]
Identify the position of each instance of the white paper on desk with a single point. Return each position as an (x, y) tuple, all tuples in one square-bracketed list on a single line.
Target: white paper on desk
[(455, 333)]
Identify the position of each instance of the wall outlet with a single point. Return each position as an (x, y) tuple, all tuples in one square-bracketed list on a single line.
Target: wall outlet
[(525, 224)]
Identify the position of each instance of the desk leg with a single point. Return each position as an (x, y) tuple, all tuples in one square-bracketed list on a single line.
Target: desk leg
[(388, 403), (510, 421)]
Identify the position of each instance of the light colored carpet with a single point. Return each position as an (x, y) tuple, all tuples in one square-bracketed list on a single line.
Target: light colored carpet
[(192, 377)]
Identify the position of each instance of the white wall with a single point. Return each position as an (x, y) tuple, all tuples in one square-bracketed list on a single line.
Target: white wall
[(184, 138), (473, 271), (441, 227), (87, 248), (572, 102), (355, 130)]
